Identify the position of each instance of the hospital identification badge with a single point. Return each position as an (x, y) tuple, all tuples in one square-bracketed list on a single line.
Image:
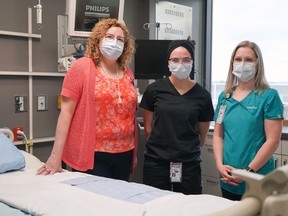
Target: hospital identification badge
[(221, 113), (175, 172)]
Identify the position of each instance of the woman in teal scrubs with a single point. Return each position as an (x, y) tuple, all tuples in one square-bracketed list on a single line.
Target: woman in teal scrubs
[(248, 120)]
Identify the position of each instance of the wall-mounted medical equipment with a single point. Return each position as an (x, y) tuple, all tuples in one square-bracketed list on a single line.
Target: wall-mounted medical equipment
[(38, 7), (157, 25), (83, 14), (179, 18), (65, 63)]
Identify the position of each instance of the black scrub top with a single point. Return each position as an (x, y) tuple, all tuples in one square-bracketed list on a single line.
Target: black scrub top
[(174, 135)]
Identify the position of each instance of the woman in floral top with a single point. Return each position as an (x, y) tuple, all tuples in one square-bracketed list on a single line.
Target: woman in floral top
[(96, 130)]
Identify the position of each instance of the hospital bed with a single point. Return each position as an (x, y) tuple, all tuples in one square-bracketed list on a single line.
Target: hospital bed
[(73, 193)]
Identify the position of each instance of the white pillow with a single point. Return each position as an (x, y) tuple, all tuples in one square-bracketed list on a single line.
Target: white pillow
[(10, 156)]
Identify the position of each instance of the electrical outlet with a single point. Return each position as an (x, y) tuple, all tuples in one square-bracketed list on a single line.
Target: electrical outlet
[(20, 103), (42, 102)]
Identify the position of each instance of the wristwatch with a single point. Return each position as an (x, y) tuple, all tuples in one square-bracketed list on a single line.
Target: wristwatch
[(248, 169)]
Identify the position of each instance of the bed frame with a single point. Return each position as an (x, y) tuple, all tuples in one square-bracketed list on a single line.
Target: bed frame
[(265, 195)]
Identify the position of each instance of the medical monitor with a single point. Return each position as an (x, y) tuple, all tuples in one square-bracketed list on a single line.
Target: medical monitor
[(83, 14), (151, 59)]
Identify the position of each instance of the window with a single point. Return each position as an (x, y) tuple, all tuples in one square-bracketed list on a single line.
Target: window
[(261, 21)]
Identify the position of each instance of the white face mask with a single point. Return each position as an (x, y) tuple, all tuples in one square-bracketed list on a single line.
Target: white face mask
[(181, 71), (244, 72), (111, 49)]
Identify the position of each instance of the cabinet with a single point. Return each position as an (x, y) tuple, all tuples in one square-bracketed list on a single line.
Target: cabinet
[(210, 175), (281, 154), (277, 155), (284, 155)]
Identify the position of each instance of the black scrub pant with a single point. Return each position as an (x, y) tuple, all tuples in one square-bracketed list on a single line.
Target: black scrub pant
[(228, 195), (112, 165), (156, 173)]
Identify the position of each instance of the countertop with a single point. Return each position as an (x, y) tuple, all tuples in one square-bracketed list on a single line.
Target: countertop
[(284, 129)]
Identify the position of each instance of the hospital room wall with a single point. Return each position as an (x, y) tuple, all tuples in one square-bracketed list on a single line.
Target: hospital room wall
[(14, 56)]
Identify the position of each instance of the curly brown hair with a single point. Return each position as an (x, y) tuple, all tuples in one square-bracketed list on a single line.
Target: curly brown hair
[(98, 32)]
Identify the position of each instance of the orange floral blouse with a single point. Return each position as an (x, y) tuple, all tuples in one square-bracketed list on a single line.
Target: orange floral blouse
[(115, 121)]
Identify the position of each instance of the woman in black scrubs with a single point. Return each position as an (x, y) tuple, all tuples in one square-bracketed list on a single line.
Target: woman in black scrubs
[(177, 112)]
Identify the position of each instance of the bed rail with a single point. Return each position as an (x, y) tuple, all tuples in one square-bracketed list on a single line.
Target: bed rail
[(248, 207), (265, 195)]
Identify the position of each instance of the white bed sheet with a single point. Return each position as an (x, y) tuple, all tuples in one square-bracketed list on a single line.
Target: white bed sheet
[(39, 195), (47, 195)]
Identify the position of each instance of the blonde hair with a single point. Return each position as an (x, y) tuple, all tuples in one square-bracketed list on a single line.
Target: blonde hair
[(99, 31), (260, 81)]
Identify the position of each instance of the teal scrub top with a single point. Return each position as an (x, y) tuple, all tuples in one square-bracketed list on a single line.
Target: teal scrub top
[(244, 131)]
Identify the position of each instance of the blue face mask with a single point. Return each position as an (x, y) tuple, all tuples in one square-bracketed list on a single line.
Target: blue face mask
[(111, 49)]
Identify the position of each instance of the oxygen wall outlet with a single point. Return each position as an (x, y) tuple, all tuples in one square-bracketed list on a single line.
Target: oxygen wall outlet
[(42, 103), (20, 103)]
